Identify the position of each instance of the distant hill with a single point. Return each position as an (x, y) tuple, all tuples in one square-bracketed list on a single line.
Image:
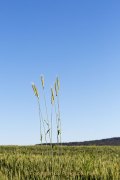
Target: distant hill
[(103, 142)]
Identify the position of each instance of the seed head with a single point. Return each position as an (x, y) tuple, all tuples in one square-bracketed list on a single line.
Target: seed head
[(42, 81), (52, 96), (58, 83), (35, 90), (56, 91)]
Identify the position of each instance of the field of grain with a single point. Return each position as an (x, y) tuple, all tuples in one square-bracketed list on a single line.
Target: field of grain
[(39, 162)]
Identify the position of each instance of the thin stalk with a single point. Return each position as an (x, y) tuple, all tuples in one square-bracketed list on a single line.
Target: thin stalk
[(59, 117), (52, 104), (56, 122), (47, 119), (51, 123), (46, 113), (42, 123), (57, 88), (40, 120), (51, 140), (38, 100)]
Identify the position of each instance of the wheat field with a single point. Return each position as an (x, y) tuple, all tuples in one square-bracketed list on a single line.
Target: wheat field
[(37, 163)]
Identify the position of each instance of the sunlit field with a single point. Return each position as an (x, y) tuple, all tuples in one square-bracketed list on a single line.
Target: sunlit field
[(40, 162)]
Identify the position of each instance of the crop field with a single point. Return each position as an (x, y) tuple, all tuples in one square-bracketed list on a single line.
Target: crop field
[(45, 162)]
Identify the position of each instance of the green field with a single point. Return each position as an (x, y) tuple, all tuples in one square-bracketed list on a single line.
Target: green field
[(39, 162)]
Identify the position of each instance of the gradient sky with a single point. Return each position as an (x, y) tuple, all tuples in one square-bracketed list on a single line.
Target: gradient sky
[(77, 40)]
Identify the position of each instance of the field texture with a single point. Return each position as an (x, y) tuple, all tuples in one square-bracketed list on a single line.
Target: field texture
[(40, 162)]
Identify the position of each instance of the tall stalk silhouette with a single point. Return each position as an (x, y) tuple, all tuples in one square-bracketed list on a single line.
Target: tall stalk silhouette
[(52, 104), (57, 88), (39, 108), (46, 122), (47, 119)]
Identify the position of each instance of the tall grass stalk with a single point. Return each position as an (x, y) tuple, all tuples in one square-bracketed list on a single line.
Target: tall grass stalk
[(52, 104), (43, 123), (47, 125), (58, 120), (57, 88), (47, 119), (38, 100), (56, 113), (58, 85)]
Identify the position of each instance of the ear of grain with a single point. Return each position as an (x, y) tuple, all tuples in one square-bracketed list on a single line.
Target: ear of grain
[(56, 91), (35, 90), (52, 96), (42, 81), (58, 83)]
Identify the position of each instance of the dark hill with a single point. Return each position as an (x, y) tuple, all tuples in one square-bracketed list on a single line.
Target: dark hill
[(103, 142)]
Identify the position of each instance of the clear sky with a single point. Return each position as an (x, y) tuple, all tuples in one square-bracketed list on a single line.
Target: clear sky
[(77, 40)]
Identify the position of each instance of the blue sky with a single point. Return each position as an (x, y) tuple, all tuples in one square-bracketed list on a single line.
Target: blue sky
[(77, 40)]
